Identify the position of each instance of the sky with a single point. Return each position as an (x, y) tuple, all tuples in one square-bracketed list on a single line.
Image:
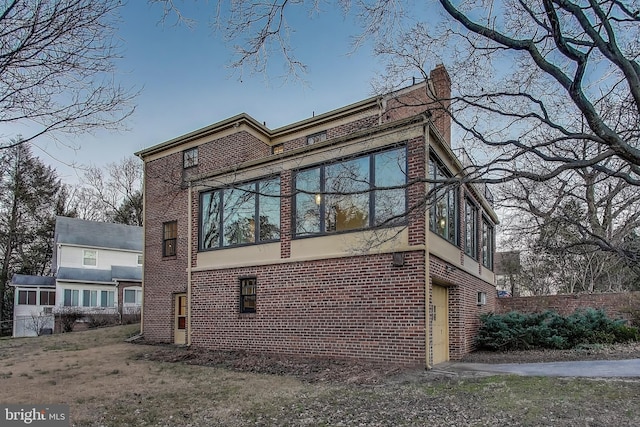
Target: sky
[(185, 82)]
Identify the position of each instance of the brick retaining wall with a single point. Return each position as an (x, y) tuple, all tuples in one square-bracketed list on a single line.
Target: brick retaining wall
[(616, 305)]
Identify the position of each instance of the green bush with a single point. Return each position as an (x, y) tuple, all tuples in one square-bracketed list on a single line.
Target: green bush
[(519, 331)]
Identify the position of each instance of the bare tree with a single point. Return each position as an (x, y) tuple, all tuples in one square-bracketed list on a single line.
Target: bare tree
[(540, 88), (113, 194), (39, 323), (529, 77), (582, 225), (57, 63)]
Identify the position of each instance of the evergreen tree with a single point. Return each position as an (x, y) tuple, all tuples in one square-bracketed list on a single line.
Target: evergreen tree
[(30, 197)]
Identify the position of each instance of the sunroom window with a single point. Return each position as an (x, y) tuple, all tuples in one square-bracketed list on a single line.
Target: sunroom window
[(243, 214), (352, 194), (444, 202)]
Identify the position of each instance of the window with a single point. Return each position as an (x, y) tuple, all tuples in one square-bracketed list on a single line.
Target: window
[(169, 238), (487, 244), (248, 295), (482, 298), (470, 229), (89, 298), (444, 204), (27, 297), (245, 214), (190, 158), (89, 258), (71, 297), (316, 137), (277, 149), (47, 297), (140, 259), (107, 299), (352, 194), (132, 296)]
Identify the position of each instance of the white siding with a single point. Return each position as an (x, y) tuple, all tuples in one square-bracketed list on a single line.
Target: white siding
[(71, 256), (81, 287)]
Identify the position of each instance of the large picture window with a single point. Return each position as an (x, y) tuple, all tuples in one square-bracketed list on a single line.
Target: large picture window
[(244, 214), (352, 194), (444, 203)]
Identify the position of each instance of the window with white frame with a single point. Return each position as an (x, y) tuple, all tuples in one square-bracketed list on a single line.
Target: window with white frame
[(140, 259), (71, 298), (89, 298), (47, 297), (132, 296), (27, 297), (89, 258), (107, 299)]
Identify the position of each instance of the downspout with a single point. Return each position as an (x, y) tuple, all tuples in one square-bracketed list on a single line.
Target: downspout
[(189, 268), (427, 293), (144, 238)]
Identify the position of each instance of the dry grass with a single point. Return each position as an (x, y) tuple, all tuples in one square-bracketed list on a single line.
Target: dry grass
[(109, 382)]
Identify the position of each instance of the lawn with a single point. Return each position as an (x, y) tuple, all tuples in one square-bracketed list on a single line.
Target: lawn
[(108, 382)]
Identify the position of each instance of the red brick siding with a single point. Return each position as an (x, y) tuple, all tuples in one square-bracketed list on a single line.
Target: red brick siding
[(416, 193), (337, 131), (165, 200), (360, 307), (354, 307), (464, 310)]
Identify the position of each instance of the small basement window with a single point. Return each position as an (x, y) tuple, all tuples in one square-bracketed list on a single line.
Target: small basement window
[(248, 295)]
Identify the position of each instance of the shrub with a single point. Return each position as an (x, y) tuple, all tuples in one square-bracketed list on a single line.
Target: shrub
[(519, 331), (98, 320), (131, 315), (68, 317)]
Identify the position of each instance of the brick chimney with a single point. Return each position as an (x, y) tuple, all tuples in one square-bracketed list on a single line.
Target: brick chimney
[(441, 84)]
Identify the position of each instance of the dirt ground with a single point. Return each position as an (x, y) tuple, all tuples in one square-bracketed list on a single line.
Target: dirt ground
[(109, 382), (313, 370)]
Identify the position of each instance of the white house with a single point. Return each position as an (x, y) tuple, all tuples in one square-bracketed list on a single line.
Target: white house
[(97, 269), (35, 297)]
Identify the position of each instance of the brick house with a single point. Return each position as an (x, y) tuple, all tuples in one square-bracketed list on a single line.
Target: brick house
[(319, 238)]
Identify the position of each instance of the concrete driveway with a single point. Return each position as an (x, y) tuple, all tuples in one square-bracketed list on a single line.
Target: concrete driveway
[(590, 368)]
